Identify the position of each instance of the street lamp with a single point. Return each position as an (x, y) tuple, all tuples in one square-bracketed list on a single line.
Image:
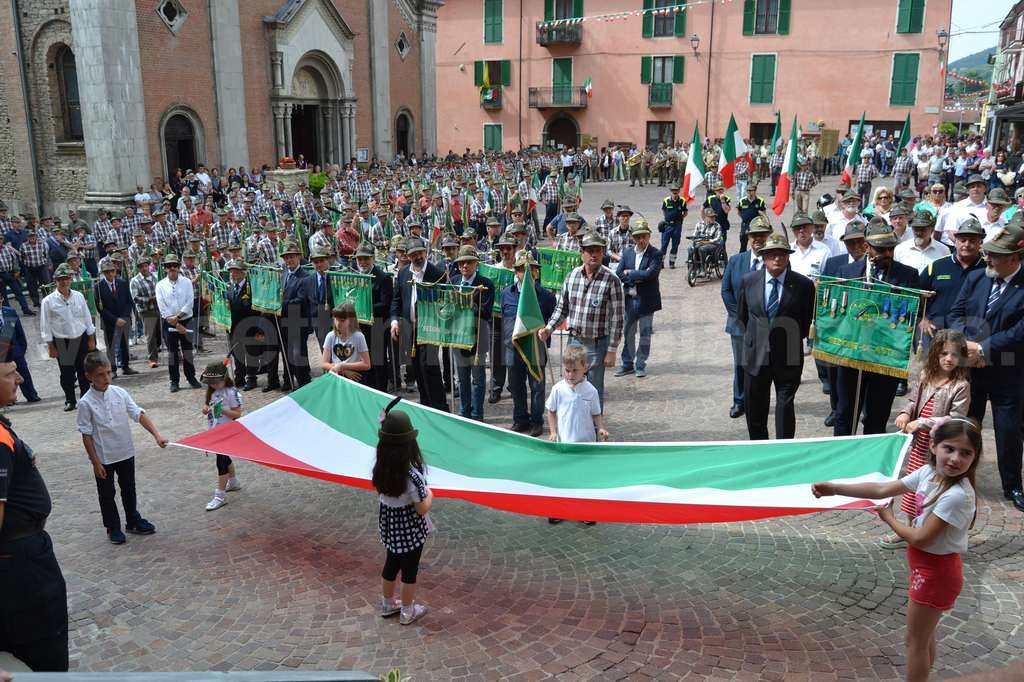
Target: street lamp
[(695, 43), (942, 35)]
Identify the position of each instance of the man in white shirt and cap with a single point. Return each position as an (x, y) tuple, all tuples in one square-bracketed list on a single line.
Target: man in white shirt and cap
[(174, 299), (68, 330), (922, 249)]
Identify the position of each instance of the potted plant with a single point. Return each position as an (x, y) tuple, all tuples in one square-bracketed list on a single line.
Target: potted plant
[(286, 163)]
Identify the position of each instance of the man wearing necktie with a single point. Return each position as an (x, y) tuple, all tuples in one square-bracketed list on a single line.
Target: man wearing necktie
[(297, 306), (379, 340), (990, 312), (774, 310), (322, 294), (735, 270), (245, 324), (114, 302)]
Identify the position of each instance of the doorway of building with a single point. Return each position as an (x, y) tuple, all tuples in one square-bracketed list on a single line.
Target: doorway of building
[(304, 132), (761, 133), (562, 131), (403, 134), (179, 144)]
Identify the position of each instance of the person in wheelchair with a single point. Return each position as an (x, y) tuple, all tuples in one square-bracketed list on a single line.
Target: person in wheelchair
[(707, 239)]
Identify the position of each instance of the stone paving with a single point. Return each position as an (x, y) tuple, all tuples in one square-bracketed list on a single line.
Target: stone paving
[(286, 575)]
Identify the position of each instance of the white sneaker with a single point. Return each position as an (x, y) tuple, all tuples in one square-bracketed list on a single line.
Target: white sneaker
[(389, 607), (412, 614), (233, 485), (216, 503), (892, 542)]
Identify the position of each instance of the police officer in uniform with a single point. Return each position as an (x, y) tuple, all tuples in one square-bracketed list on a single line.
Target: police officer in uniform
[(673, 210), (33, 596), (749, 208)]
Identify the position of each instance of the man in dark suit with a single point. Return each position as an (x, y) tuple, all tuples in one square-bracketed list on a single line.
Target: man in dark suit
[(245, 325), (323, 297), (424, 358), (853, 240), (298, 301), (639, 268), (877, 391), (775, 309), (376, 334), (735, 270), (990, 313), (13, 346), (114, 301), (470, 364)]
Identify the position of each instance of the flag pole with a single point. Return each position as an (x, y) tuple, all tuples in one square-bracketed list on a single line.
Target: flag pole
[(856, 403)]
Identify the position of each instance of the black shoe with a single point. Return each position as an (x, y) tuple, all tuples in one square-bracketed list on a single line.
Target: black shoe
[(901, 389), (128, 371), (249, 385), (554, 522), (826, 389), (589, 523), (537, 430), (270, 387), (116, 536), (1017, 497), (36, 399), (28, 313), (736, 411), (830, 420), (140, 527), (494, 396), (70, 406), (192, 383), (175, 388), (521, 428)]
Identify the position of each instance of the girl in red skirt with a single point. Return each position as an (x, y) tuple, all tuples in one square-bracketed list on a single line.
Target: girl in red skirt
[(942, 392), (937, 536)]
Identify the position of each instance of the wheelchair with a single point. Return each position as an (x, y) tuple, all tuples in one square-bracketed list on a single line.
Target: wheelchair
[(710, 266)]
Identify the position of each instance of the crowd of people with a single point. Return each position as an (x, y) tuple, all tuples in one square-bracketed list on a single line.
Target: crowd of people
[(139, 271)]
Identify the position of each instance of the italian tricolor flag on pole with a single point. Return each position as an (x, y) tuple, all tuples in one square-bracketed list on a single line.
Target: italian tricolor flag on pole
[(776, 133), (328, 430), (786, 177), (694, 168), (529, 321), (906, 141), (733, 149), (588, 87), (854, 157)]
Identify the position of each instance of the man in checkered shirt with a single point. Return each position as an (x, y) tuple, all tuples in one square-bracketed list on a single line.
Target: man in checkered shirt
[(10, 267), (307, 211), (323, 239), (803, 183), (101, 228), (775, 165), (902, 170), (35, 258), (177, 241), (359, 188), (866, 172), (593, 302), (5, 220), (130, 221), (265, 252), (143, 290), (712, 180)]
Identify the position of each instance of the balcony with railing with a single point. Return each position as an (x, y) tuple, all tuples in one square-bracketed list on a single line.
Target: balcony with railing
[(558, 97), (490, 98), (559, 34), (659, 96)]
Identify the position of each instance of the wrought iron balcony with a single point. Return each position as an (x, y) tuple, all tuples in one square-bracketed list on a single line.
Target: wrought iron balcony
[(659, 96), (558, 97), (559, 34), (490, 98)]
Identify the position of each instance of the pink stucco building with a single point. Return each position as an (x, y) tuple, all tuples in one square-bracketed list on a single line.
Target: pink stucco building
[(821, 60)]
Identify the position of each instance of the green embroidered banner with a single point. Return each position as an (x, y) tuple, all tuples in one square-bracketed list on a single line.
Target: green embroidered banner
[(217, 293), (865, 326), (502, 278), (444, 315), (555, 266), (357, 289), (265, 284)]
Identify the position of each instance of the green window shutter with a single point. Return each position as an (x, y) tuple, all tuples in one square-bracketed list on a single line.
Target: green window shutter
[(648, 19), (506, 72), (783, 28), (749, 9), (549, 10), (577, 8), (493, 21), (680, 25), (916, 16), (678, 68), (478, 73), (903, 90), (903, 16), (768, 89), (762, 79), (645, 70)]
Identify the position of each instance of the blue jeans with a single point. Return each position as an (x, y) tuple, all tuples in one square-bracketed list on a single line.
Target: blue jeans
[(671, 235), (646, 324), (519, 382), (596, 350)]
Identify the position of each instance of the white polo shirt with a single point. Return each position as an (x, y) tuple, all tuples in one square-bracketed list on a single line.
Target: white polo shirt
[(910, 254), (104, 416), (809, 263), (575, 408)]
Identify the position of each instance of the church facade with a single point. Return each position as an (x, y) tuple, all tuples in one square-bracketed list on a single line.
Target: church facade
[(102, 96)]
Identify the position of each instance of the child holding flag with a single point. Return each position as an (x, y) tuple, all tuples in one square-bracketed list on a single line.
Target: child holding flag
[(223, 404)]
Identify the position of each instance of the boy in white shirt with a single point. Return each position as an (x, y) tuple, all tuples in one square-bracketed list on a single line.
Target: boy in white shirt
[(103, 414)]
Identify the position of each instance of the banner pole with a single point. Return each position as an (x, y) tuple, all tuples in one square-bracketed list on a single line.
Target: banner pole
[(856, 403), (283, 352)]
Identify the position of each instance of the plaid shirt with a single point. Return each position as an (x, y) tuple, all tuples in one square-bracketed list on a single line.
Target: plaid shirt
[(742, 170), (776, 159), (178, 241), (5, 225), (604, 226), (359, 191), (569, 242), (308, 214), (594, 307), (497, 199), (866, 172), (619, 240), (222, 233), (709, 232), (34, 255), (804, 181), (904, 166), (143, 291), (713, 180), (10, 261), (130, 223), (549, 192), (321, 241), (137, 253), (266, 252), (86, 245), (100, 229), (477, 209)]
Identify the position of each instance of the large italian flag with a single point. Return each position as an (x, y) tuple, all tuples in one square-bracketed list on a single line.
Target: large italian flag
[(328, 430), (786, 177), (853, 158), (733, 149), (694, 174)]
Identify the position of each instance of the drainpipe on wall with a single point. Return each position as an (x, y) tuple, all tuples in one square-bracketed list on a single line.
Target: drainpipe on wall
[(707, 97), (519, 68), (23, 72)]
